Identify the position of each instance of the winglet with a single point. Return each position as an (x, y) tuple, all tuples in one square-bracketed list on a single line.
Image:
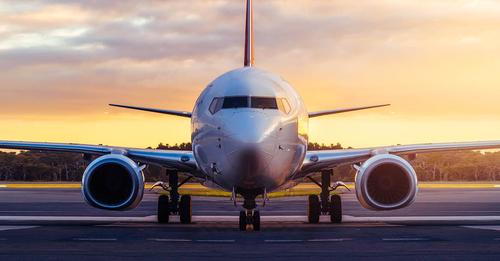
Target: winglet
[(249, 58), (169, 112), (322, 113)]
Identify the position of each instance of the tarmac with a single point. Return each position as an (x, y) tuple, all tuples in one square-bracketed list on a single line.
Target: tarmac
[(450, 223)]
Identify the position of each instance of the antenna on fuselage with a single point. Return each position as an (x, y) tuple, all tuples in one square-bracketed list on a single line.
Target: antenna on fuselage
[(249, 59)]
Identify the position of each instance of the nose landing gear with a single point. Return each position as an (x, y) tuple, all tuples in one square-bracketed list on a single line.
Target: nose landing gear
[(324, 204), (249, 218)]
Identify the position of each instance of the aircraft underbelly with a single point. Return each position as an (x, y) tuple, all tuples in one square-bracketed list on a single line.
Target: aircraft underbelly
[(229, 165)]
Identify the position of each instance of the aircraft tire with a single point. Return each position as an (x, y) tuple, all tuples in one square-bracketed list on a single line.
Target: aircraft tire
[(163, 210), (243, 221), (314, 209), (256, 220), (335, 210), (185, 209)]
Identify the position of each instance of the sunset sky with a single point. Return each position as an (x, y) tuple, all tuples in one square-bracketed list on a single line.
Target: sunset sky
[(437, 63)]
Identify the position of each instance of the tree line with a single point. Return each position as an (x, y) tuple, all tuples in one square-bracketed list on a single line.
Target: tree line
[(442, 166)]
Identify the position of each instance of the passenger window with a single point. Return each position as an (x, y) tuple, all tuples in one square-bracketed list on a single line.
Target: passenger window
[(216, 105), (235, 102), (264, 103), (283, 105)]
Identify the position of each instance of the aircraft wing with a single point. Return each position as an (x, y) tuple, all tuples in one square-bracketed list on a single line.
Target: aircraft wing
[(318, 160), (337, 111), (180, 160), (161, 111)]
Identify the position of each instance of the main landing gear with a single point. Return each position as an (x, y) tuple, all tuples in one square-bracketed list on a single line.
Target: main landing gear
[(175, 204), (324, 204)]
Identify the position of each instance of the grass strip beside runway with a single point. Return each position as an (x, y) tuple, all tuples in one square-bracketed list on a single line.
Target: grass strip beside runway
[(199, 190)]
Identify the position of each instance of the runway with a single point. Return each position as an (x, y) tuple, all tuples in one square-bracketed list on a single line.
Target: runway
[(443, 224)]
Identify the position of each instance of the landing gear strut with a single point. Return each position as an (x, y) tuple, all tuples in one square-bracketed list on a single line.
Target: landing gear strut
[(249, 218), (324, 204), (175, 204)]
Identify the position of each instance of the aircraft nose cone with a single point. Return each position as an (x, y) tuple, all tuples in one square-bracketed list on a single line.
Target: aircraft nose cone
[(250, 127), (250, 165)]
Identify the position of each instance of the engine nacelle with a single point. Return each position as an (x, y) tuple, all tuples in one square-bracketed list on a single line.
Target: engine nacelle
[(386, 182), (113, 182)]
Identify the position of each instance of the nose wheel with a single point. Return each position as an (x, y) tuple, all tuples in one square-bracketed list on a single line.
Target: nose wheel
[(249, 220)]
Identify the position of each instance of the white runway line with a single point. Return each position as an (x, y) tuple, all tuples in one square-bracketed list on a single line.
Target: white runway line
[(3, 186), (216, 240), (324, 219), (330, 240), (496, 228), (405, 239), (497, 186), (419, 218), (78, 218), (283, 240), (169, 240), (94, 239), (4, 228)]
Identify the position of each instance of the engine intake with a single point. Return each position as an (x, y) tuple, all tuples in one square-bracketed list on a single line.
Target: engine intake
[(113, 182), (386, 182)]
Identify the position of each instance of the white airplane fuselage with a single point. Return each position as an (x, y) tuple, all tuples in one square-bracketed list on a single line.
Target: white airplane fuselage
[(249, 145)]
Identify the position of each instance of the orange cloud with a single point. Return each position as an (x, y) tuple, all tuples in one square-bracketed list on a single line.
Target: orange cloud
[(61, 62)]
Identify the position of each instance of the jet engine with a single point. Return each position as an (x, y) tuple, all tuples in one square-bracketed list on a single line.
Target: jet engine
[(386, 182), (113, 182)]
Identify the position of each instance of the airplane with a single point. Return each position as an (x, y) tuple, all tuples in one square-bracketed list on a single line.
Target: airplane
[(249, 134)]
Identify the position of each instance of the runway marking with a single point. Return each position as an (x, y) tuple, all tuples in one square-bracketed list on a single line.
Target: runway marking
[(497, 186), (78, 218), (330, 240), (405, 239), (496, 228), (4, 228), (216, 240), (324, 219), (94, 239), (3, 186), (169, 240), (283, 240), (347, 218)]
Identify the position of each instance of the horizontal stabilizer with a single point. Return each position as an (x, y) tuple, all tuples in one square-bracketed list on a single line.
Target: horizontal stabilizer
[(337, 111), (169, 112)]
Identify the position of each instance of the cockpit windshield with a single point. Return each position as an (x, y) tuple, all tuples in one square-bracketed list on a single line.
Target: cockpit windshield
[(264, 103), (234, 102)]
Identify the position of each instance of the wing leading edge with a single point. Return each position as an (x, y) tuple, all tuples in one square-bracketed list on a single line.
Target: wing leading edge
[(169, 112), (337, 111), (180, 160), (318, 160)]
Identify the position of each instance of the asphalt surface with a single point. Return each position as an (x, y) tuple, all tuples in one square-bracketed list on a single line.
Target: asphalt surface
[(459, 231)]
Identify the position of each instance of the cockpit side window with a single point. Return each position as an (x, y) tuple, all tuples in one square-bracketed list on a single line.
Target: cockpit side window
[(264, 103), (235, 102), (283, 105), (216, 105)]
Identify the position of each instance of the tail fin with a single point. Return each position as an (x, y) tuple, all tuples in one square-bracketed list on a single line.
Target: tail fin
[(249, 59)]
